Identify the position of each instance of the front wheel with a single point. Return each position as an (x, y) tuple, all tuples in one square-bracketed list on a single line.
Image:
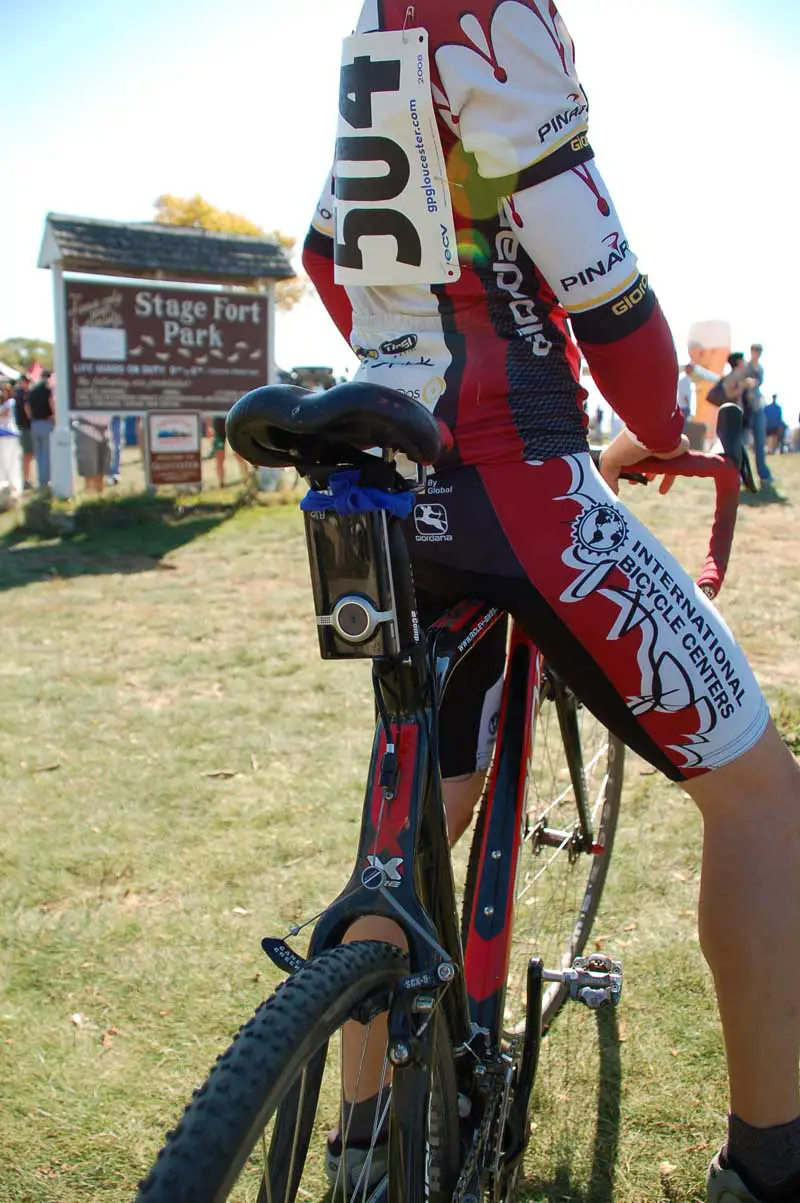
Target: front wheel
[(256, 1131)]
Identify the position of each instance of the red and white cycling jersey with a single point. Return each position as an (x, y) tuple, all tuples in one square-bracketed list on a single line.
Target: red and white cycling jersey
[(544, 259), (541, 248)]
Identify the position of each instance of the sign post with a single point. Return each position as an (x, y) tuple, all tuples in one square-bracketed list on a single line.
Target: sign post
[(61, 438)]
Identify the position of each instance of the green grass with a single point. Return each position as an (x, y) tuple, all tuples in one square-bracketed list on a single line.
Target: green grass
[(182, 774)]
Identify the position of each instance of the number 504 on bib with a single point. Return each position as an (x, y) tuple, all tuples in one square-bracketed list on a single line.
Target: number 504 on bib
[(392, 212)]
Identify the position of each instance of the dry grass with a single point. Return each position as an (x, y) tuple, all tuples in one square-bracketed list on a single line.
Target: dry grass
[(182, 775)]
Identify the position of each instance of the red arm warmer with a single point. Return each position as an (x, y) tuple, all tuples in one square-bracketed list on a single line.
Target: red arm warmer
[(638, 376), (318, 265)]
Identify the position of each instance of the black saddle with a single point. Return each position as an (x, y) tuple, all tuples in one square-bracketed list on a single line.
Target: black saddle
[(282, 426)]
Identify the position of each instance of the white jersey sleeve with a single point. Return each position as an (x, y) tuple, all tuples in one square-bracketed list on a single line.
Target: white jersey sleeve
[(511, 85)]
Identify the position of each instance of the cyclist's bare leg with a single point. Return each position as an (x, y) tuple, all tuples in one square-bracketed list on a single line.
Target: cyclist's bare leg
[(461, 795), (361, 1079), (750, 923)]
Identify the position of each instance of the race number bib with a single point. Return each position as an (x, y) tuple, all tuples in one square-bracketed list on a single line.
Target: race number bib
[(392, 215)]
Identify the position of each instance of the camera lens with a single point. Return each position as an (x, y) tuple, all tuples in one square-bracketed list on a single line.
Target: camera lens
[(353, 620)]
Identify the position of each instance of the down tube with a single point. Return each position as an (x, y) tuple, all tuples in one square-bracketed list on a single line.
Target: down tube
[(490, 923)]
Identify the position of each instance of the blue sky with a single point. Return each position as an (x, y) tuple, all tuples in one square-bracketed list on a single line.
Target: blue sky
[(693, 111)]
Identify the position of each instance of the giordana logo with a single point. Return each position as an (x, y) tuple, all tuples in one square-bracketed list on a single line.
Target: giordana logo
[(601, 530), (431, 521), (631, 298), (617, 250), (431, 517)]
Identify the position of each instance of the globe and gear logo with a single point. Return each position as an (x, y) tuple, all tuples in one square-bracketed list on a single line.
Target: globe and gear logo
[(601, 530)]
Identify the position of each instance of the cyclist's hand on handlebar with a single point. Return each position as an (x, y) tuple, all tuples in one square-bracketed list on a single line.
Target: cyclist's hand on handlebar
[(625, 452)]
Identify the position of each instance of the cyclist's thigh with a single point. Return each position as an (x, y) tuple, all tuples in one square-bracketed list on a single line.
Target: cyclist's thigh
[(613, 612), (471, 705)]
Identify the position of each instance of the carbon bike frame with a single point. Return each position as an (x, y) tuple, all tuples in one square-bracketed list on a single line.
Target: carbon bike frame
[(403, 871)]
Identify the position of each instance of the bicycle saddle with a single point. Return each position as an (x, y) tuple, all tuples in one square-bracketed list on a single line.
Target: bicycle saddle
[(283, 426)]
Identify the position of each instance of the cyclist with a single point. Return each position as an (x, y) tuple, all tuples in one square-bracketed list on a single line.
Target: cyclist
[(524, 521)]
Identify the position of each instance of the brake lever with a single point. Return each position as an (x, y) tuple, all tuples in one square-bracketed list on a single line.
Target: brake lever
[(637, 478)]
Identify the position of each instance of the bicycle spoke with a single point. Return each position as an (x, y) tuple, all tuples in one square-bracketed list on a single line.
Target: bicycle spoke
[(267, 1179), (380, 1118), (344, 1132), (290, 1178), (558, 868)]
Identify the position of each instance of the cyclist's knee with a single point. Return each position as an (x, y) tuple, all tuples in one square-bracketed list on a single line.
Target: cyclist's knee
[(766, 777)]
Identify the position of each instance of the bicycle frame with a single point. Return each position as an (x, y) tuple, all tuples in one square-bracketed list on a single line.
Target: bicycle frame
[(403, 870)]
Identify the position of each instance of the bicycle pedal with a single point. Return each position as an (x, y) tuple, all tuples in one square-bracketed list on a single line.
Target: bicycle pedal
[(595, 981), (598, 981)]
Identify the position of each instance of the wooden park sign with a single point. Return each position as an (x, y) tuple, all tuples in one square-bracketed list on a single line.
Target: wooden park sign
[(143, 344), (140, 348)]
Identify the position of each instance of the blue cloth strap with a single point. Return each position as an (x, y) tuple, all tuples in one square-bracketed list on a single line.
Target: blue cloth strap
[(347, 496)]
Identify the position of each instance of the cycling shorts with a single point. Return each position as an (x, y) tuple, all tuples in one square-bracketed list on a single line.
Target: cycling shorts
[(613, 612)]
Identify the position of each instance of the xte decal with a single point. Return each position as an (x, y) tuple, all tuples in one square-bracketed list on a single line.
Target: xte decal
[(379, 874)]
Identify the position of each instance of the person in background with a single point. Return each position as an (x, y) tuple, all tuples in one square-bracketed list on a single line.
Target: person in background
[(10, 459), (753, 404), (115, 432), (736, 383), (594, 424), (39, 407), (685, 394), (775, 426), (24, 427), (219, 447), (92, 449)]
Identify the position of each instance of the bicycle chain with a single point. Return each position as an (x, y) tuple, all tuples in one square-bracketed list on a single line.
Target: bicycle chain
[(472, 1166)]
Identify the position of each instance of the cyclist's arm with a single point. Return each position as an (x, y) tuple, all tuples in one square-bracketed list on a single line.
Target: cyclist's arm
[(318, 264), (524, 131), (584, 256)]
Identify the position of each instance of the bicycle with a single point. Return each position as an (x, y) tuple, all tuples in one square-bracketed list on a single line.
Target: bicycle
[(467, 1006)]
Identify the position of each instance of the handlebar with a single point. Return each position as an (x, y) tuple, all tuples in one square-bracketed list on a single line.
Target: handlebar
[(727, 470)]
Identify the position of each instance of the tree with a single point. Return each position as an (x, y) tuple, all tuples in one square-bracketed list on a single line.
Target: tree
[(20, 353), (197, 212)]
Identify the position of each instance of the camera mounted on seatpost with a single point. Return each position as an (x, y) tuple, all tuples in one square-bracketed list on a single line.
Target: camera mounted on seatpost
[(360, 568)]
